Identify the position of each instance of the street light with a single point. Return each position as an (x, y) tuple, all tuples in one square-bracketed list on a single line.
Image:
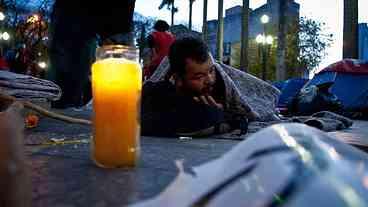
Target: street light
[(5, 36), (265, 19), (269, 40), (264, 42), (2, 16), (260, 39)]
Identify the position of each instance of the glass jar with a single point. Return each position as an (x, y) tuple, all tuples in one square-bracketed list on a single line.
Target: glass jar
[(116, 87)]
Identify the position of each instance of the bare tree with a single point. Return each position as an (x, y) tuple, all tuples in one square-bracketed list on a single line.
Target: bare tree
[(28, 24), (13, 10)]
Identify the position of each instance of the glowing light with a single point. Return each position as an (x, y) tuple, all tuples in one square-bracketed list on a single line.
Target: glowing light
[(265, 19), (42, 64), (269, 39), (260, 39), (5, 36), (34, 18), (2, 16)]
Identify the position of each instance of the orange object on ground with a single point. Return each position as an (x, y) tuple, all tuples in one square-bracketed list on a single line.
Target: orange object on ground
[(31, 121)]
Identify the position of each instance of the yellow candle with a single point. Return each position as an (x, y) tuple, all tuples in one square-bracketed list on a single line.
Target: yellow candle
[(116, 85)]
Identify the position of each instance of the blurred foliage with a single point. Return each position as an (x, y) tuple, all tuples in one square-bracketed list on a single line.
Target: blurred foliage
[(306, 48), (313, 42), (27, 22)]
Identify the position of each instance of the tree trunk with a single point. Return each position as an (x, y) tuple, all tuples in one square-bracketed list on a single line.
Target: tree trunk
[(281, 38), (204, 25), (190, 13), (220, 30), (350, 45), (264, 62), (172, 12), (244, 37)]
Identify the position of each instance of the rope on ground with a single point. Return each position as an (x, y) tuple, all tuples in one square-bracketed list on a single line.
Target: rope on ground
[(45, 112), (54, 142)]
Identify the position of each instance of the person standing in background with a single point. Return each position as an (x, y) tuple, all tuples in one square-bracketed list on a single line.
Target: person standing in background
[(159, 41), (75, 26)]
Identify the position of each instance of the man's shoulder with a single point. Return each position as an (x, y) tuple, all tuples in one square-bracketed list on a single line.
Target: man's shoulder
[(159, 85), (157, 97), (157, 88)]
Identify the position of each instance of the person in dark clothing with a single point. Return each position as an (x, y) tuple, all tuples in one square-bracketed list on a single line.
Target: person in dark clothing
[(159, 41), (74, 29), (190, 102)]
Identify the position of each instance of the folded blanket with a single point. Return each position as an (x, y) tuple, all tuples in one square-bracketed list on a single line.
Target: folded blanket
[(324, 120), (28, 87)]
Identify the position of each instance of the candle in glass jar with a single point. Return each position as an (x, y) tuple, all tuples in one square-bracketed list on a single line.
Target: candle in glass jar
[(116, 86)]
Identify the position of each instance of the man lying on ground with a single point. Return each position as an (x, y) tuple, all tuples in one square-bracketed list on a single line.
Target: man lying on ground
[(191, 94), (191, 98)]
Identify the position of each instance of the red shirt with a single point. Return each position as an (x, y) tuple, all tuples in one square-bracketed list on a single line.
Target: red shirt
[(161, 43), (3, 64)]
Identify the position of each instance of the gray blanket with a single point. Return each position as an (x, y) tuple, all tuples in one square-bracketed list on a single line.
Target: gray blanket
[(324, 120)]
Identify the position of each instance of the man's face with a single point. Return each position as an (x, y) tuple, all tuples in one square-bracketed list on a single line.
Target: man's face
[(199, 78)]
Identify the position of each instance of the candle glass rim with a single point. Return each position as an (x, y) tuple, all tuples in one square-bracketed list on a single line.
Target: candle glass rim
[(117, 50), (118, 46)]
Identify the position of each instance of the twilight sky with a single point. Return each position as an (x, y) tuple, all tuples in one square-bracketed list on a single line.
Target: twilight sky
[(328, 11)]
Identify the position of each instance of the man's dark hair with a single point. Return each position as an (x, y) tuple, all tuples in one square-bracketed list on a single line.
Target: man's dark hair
[(187, 47), (161, 26)]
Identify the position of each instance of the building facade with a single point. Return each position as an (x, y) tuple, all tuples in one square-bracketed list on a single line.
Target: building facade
[(232, 23)]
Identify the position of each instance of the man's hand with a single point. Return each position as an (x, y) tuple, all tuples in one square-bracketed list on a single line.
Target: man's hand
[(208, 100)]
